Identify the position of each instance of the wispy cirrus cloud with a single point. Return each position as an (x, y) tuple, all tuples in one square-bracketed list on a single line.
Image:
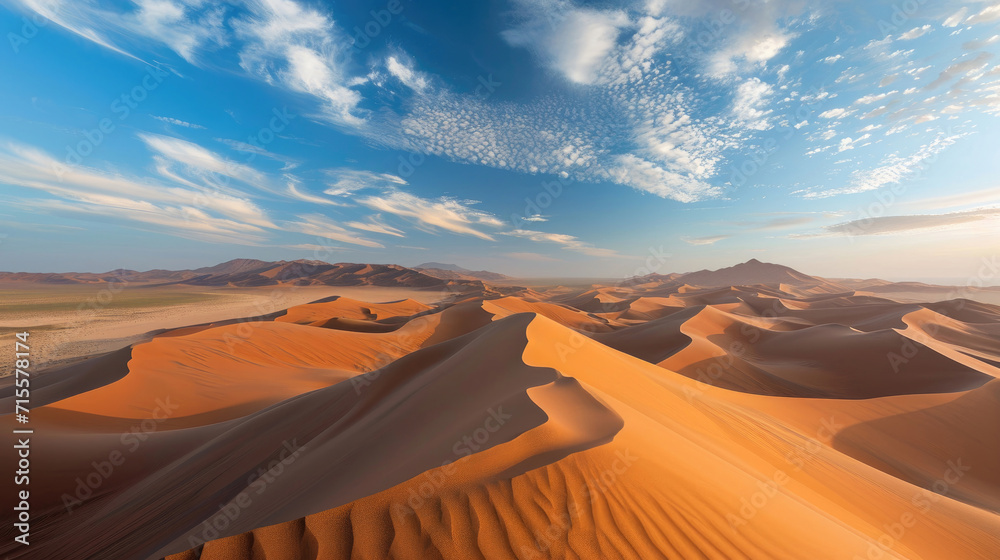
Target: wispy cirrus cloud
[(568, 242), (178, 122), (707, 240), (322, 226), (257, 151), (200, 161), (988, 14), (960, 68), (296, 192), (443, 213), (784, 222), (184, 27), (182, 209), (895, 225), (894, 171), (375, 224), (281, 42), (990, 197), (347, 181)]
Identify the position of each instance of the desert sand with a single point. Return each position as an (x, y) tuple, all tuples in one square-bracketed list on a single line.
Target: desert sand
[(654, 419)]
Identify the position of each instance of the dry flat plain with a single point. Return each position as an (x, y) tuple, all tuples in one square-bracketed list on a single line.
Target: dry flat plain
[(69, 322), (658, 419)]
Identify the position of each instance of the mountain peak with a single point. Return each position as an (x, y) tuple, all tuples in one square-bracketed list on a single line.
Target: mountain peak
[(751, 272)]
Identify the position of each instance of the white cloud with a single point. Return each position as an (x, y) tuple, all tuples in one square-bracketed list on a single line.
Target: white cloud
[(671, 154), (649, 177), (178, 122), (199, 161), (894, 171), (956, 18), (568, 242), (710, 240), (322, 226), (405, 73), (988, 14), (294, 192), (443, 213), (184, 26), (832, 59), (299, 48), (572, 41), (894, 225), (345, 181), (375, 224), (915, 32), (255, 150), (834, 113), (980, 43), (849, 143), (873, 97), (754, 33), (750, 102), (960, 68), (175, 209), (989, 197)]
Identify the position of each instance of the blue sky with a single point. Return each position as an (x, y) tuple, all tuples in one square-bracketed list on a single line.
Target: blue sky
[(535, 138)]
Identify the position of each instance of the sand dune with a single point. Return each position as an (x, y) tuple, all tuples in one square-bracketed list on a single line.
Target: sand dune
[(654, 420)]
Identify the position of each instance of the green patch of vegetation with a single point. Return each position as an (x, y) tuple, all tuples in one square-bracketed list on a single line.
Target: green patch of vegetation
[(15, 302), (8, 331)]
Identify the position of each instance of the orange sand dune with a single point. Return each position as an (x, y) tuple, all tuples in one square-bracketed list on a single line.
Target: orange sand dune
[(653, 492), (346, 308), (654, 420)]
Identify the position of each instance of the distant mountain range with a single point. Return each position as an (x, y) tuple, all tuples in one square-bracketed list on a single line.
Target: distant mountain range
[(446, 271), (252, 272)]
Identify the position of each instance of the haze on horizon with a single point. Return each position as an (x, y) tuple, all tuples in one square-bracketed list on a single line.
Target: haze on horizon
[(534, 139)]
